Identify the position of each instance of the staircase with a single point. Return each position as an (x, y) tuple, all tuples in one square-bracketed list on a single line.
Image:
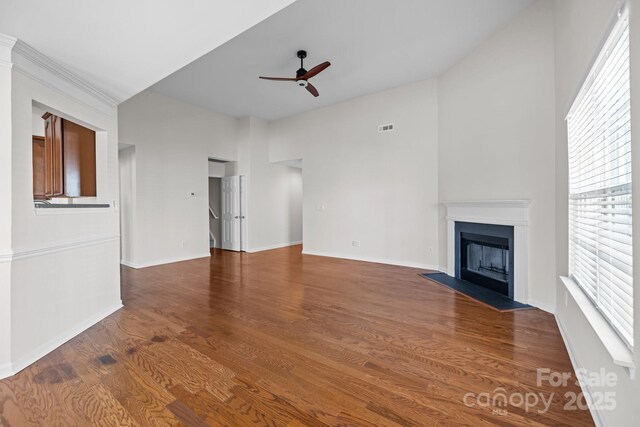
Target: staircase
[(212, 239)]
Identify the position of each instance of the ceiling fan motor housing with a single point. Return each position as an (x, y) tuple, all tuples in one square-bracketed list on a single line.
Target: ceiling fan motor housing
[(301, 72), (303, 75)]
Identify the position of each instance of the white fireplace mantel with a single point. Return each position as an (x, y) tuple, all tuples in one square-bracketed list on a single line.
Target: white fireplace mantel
[(499, 212)]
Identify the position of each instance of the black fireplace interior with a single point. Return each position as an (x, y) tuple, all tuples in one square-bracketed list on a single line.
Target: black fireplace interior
[(484, 256), (485, 261)]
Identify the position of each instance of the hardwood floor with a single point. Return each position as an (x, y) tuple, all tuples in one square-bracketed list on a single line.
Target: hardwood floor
[(278, 338)]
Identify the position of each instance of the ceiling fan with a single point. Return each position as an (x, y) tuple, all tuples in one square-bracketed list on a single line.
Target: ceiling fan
[(302, 76)]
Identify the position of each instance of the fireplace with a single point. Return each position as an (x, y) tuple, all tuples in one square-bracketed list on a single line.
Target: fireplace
[(484, 255), (511, 214)]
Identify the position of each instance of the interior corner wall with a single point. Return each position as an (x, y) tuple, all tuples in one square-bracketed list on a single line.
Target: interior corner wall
[(127, 162), (580, 29), (378, 189), (173, 141), (274, 194), (65, 268), (497, 129)]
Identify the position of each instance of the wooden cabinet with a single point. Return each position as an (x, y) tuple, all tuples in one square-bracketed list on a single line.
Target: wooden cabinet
[(79, 160), (39, 168), (53, 183), (64, 161)]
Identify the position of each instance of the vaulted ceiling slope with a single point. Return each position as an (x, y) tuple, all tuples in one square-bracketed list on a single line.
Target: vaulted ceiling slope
[(121, 46), (372, 44)]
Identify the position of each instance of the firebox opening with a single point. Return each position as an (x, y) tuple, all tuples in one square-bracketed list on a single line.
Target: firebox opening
[(485, 260), (484, 256)]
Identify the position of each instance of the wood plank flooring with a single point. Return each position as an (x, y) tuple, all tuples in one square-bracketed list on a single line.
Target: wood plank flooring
[(281, 339)]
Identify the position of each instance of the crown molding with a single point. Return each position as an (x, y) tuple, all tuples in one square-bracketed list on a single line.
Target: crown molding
[(7, 41), (39, 67), (6, 45)]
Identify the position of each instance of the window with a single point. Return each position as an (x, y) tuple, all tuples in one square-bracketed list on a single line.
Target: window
[(599, 134)]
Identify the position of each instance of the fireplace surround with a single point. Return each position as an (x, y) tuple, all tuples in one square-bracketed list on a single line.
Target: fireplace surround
[(513, 213)]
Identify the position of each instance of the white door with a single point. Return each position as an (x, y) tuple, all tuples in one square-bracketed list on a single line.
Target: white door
[(231, 213), (243, 213)]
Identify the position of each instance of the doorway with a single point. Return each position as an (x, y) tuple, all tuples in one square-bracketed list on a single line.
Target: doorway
[(215, 201), (233, 217), (227, 206)]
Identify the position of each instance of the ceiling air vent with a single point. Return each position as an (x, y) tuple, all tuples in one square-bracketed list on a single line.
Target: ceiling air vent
[(385, 128)]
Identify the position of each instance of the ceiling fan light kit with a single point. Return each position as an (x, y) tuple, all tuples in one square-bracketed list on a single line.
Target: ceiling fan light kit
[(302, 76)]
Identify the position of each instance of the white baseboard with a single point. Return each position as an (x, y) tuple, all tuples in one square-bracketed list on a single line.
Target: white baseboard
[(575, 362), (376, 260), (44, 349), (137, 265), (5, 370), (268, 248), (541, 305)]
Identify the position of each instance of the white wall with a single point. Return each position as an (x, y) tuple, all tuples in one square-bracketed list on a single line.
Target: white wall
[(580, 29), (173, 141), (5, 207), (379, 189), (496, 111), (63, 265), (275, 195), (38, 121), (216, 169), (127, 161)]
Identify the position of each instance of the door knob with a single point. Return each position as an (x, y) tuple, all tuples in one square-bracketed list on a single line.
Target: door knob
[(236, 217)]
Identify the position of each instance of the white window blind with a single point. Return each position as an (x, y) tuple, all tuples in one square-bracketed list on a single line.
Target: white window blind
[(599, 134)]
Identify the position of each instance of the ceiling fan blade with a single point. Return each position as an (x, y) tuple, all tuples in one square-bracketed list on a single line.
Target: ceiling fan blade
[(315, 71), (279, 79), (311, 88)]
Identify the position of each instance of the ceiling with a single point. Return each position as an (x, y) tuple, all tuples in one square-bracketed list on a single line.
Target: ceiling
[(372, 44), (121, 46)]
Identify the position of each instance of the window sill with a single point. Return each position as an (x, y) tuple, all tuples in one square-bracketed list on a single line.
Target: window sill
[(620, 353), (63, 208)]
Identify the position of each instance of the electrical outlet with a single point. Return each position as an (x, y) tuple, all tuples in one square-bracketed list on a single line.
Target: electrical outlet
[(430, 249), (355, 243)]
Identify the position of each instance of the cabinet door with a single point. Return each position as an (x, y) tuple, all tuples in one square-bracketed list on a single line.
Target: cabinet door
[(79, 160), (39, 168), (48, 155), (54, 180), (56, 160)]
